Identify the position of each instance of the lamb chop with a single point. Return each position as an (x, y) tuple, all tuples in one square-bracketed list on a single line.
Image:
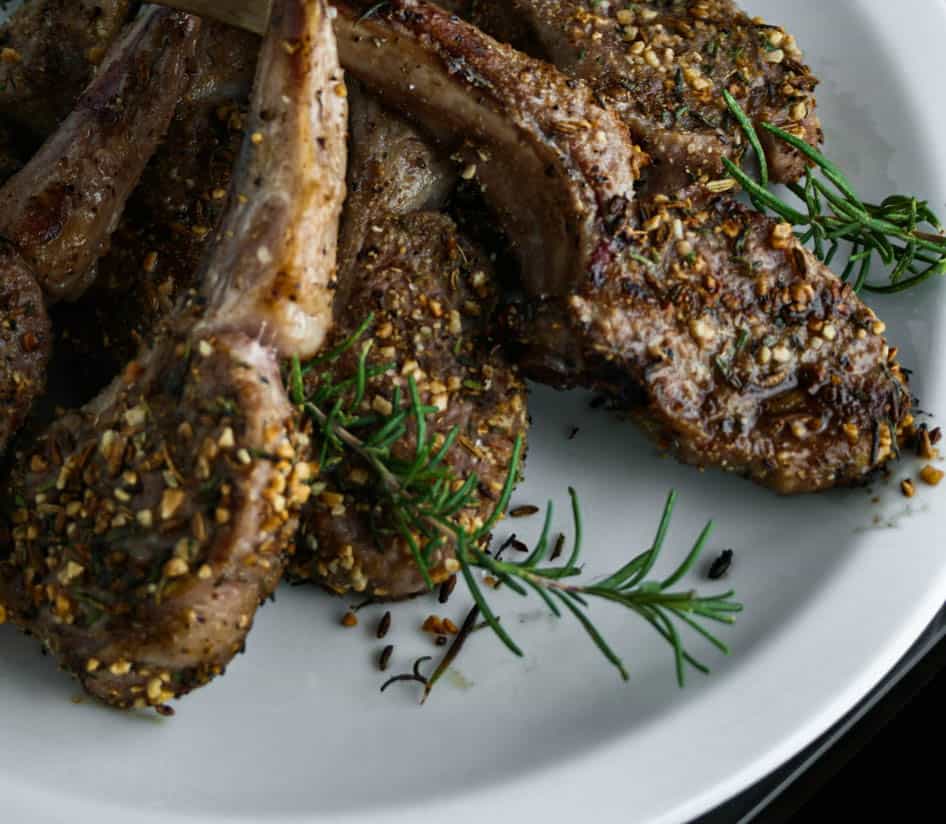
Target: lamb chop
[(684, 126), (49, 50), (744, 351), (156, 518), (432, 294), (58, 212), (52, 209), (169, 221), (662, 67)]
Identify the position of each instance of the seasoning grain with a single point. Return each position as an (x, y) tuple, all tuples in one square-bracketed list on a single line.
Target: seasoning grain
[(523, 511), (446, 589), (931, 475), (721, 565), (925, 445), (434, 624), (384, 624), (559, 546)]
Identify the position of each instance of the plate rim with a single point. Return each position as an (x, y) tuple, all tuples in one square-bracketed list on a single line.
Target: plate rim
[(605, 763)]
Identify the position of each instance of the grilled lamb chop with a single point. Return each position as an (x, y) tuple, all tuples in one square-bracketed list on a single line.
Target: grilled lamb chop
[(62, 207), (50, 49), (169, 221), (432, 294), (809, 397), (157, 517), (735, 348), (662, 67), (58, 212)]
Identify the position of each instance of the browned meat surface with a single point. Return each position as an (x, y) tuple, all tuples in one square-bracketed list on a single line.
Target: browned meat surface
[(391, 168), (502, 21), (662, 67), (61, 209), (807, 398), (287, 216), (24, 341), (156, 518), (432, 295), (49, 50), (171, 217), (226, 64)]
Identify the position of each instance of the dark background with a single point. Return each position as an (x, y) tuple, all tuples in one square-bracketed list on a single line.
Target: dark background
[(891, 766), (885, 763)]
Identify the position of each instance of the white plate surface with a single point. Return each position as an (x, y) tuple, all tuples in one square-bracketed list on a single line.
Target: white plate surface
[(297, 730)]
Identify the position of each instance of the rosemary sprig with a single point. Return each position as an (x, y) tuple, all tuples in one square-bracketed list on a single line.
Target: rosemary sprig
[(422, 498), (901, 231), (656, 601)]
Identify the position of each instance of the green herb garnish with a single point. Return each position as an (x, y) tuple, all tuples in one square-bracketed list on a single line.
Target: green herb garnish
[(423, 496), (902, 231)]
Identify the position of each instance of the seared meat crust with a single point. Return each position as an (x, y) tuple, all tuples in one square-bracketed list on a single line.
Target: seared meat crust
[(62, 207), (662, 67), (170, 219), (391, 169), (559, 168), (433, 295), (159, 533)]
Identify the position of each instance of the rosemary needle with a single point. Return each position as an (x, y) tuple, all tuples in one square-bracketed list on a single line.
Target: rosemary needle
[(743, 120), (901, 231)]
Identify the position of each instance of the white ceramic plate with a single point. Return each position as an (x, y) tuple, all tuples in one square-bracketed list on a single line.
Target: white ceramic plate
[(836, 587)]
